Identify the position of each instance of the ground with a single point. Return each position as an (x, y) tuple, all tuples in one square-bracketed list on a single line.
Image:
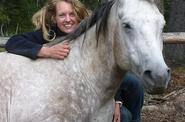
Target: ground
[(169, 106)]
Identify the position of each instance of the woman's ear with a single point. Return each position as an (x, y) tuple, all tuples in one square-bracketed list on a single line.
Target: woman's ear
[(53, 20)]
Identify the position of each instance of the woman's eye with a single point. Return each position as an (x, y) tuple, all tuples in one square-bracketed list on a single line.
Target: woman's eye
[(62, 15), (72, 14)]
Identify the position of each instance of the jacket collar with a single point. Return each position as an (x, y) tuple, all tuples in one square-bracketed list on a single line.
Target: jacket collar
[(55, 30)]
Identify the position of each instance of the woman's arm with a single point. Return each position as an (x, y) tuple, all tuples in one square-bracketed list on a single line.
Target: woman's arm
[(117, 113), (31, 45), (118, 103), (27, 44)]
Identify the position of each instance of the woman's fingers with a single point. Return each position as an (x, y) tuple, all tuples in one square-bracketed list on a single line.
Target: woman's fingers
[(59, 51), (116, 115), (116, 118)]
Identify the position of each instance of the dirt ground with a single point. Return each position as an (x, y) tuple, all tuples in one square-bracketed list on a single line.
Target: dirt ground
[(169, 106)]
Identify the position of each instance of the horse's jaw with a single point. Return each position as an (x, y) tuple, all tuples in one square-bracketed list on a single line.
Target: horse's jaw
[(151, 67), (156, 77), (149, 64), (149, 83)]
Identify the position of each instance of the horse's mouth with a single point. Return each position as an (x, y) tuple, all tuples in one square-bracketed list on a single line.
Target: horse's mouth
[(154, 91), (155, 83), (151, 85)]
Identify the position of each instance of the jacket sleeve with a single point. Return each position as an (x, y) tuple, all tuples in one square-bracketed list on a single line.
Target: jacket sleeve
[(118, 95), (27, 44)]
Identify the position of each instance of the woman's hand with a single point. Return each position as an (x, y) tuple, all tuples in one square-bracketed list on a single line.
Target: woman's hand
[(58, 51), (116, 115)]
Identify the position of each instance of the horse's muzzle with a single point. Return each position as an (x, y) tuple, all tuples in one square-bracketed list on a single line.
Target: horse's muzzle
[(156, 82)]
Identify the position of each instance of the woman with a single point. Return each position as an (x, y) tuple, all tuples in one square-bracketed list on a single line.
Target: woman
[(58, 18), (129, 99)]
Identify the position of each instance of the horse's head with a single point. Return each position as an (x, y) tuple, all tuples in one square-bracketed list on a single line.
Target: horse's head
[(140, 38)]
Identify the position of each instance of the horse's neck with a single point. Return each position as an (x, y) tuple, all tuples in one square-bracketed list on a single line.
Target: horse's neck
[(95, 61)]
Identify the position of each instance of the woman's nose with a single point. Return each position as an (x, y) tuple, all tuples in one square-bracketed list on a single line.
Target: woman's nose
[(67, 18)]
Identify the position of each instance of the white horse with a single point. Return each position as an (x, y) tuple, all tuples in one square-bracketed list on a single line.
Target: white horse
[(48, 90)]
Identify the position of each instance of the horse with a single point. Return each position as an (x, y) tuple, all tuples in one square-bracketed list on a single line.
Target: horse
[(120, 35)]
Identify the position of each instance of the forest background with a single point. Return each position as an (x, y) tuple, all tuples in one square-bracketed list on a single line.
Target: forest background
[(15, 15)]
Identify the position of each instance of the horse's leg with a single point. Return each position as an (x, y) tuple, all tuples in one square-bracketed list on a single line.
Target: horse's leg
[(4, 104), (105, 113)]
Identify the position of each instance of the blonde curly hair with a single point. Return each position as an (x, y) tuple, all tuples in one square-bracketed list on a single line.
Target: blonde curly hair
[(43, 18)]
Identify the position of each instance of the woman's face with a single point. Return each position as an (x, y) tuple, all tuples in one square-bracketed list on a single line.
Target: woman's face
[(65, 18)]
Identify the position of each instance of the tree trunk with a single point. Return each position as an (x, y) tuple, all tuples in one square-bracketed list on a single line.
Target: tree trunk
[(176, 16), (175, 53), (160, 5)]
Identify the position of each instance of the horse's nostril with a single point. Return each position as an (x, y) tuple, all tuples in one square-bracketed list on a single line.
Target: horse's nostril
[(148, 73), (169, 71)]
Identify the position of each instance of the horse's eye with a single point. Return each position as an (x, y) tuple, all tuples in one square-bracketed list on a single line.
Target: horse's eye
[(127, 26)]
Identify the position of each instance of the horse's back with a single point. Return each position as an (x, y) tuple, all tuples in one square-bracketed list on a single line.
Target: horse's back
[(37, 90), (23, 91), (15, 85)]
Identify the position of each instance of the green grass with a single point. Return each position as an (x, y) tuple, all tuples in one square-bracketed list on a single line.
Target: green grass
[(2, 49), (180, 70)]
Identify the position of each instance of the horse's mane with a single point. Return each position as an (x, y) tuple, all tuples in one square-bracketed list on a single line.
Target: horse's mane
[(101, 13)]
